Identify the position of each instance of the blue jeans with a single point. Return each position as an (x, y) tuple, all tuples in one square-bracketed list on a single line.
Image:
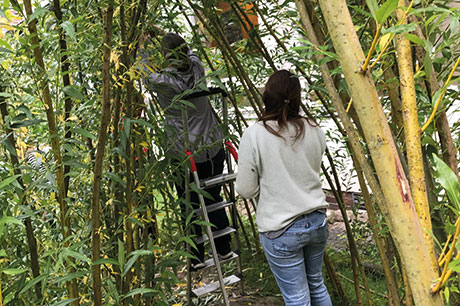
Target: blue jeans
[(296, 259)]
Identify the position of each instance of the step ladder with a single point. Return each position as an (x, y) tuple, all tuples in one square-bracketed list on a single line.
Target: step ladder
[(222, 179)]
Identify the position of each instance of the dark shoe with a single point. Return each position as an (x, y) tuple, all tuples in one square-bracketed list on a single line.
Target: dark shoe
[(225, 256), (198, 265)]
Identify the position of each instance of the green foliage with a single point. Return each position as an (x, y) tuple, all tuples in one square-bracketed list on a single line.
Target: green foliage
[(448, 181), (147, 177)]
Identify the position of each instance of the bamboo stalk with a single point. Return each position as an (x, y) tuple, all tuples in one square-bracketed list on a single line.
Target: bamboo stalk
[(400, 212), (435, 108), (412, 140), (393, 296), (128, 161), (334, 279), (65, 71), (256, 37), (231, 93), (226, 52), (105, 120), (55, 143), (31, 240), (355, 262), (232, 56)]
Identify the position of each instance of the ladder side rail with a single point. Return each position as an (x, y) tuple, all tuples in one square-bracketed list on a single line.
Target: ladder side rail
[(209, 230)]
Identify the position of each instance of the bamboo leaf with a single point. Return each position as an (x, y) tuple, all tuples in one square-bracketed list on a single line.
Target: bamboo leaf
[(398, 29), (448, 180), (70, 277), (6, 182), (141, 253), (129, 264), (121, 253), (13, 271), (373, 7), (139, 291), (39, 11), (10, 220), (64, 302), (68, 28), (385, 10), (26, 123), (32, 283), (415, 39), (3, 49), (9, 146), (73, 92), (76, 255), (83, 133)]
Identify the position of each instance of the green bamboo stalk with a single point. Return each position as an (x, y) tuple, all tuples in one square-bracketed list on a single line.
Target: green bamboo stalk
[(55, 143), (31, 240), (98, 164), (65, 71)]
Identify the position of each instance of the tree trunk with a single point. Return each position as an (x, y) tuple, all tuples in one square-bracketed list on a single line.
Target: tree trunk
[(55, 144), (105, 120), (401, 215), (412, 132)]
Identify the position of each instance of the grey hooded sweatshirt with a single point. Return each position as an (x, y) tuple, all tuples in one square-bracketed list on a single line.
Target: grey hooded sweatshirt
[(170, 84)]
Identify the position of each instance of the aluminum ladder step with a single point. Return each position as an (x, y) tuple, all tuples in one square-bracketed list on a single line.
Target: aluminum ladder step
[(214, 207), (216, 234), (210, 262), (217, 180), (229, 280)]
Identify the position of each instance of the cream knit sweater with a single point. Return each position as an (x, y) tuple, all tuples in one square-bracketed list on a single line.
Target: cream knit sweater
[(282, 175)]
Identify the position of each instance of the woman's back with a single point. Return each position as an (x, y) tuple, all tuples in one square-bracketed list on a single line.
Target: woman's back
[(287, 171)]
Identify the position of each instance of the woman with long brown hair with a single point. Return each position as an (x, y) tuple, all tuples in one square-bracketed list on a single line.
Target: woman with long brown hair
[(279, 165)]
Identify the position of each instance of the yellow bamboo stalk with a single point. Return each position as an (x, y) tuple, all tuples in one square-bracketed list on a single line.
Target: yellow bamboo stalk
[(446, 271), (349, 105), (412, 132), (430, 119), (442, 257), (374, 43), (401, 215)]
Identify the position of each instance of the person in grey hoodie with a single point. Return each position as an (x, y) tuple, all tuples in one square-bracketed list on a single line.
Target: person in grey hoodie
[(184, 74), (279, 165)]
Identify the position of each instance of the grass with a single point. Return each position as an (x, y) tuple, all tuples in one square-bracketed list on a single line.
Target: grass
[(342, 264)]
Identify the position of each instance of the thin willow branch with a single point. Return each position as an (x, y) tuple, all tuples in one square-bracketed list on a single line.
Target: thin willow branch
[(430, 119)]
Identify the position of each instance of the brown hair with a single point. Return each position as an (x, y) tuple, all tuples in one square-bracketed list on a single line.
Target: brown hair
[(282, 103), (175, 50)]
